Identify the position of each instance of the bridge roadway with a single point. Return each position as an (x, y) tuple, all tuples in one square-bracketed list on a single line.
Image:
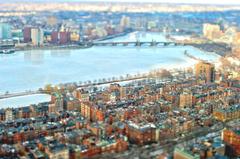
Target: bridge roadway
[(137, 43)]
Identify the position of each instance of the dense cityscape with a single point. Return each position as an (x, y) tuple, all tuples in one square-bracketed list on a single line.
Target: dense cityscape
[(119, 80)]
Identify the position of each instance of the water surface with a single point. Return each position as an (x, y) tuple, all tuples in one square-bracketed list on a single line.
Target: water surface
[(30, 70)]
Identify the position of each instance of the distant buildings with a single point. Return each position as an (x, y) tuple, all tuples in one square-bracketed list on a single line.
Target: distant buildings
[(52, 21), (27, 34), (125, 22), (229, 35), (33, 35), (64, 37), (54, 37), (152, 25), (5, 31), (37, 36), (205, 71), (212, 31)]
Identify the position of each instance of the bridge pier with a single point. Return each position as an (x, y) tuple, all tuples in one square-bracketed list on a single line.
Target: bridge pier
[(153, 44)]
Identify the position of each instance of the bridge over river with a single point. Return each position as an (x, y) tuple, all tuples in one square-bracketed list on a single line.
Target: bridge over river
[(131, 43)]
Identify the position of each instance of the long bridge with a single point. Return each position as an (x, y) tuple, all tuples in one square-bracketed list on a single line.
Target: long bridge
[(131, 43)]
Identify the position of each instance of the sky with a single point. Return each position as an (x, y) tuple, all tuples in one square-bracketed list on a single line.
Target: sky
[(183, 1), (225, 2)]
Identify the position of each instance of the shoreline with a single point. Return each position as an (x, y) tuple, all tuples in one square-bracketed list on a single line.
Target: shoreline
[(220, 49), (51, 48), (215, 48)]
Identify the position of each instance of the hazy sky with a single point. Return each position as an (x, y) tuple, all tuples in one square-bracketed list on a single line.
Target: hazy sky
[(169, 1), (183, 1)]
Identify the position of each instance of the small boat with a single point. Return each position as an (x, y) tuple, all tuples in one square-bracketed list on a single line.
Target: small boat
[(7, 51)]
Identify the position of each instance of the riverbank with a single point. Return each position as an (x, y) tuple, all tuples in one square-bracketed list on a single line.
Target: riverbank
[(220, 49), (203, 45), (192, 57), (53, 47)]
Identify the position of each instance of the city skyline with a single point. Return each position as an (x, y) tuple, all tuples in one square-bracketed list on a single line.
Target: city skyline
[(87, 79)]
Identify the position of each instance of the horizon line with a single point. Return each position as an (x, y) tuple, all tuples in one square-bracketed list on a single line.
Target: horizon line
[(123, 1)]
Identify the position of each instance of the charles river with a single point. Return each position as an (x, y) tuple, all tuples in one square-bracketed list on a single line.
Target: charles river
[(30, 70)]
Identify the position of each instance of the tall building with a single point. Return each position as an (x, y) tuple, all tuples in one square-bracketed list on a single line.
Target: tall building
[(64, 37), (54, 37), (27, 34), (37, 36), (5, 31), (205, 71), (212, 31)]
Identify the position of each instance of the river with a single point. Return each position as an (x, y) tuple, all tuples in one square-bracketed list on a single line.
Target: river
[(30, 70)]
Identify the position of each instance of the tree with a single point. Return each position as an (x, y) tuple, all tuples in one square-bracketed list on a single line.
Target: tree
[(48, 87)]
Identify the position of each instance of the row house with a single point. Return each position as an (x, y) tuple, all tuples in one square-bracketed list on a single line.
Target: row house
[(141, 133), (226, 114)]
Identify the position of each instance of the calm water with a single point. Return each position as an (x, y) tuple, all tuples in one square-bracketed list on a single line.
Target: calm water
[(27, 70), (15, 102)]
